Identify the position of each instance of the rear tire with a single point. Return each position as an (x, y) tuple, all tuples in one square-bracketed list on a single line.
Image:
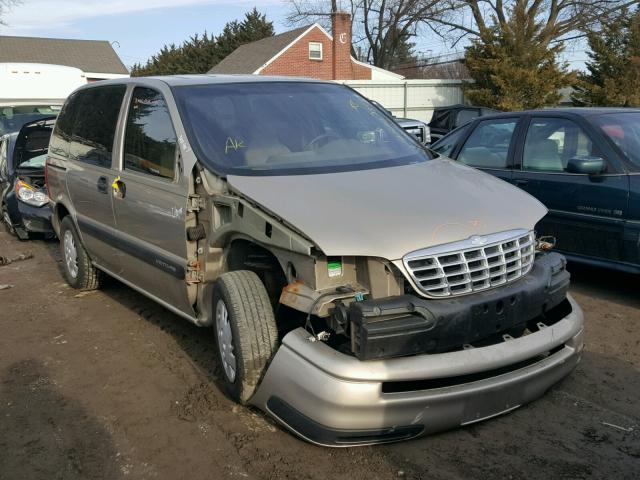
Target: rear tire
[(76, 263), (246, 332)]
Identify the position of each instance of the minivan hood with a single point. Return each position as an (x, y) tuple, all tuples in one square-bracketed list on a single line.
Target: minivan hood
[(389, 212)]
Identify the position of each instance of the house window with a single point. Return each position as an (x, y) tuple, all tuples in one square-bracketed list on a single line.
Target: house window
[(315, 51)]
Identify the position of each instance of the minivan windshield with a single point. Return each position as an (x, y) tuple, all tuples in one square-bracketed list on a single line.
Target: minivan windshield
[(285, 128), (623, 129)]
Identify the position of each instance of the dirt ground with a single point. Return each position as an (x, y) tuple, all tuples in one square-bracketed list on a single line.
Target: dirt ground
[(109, 385)]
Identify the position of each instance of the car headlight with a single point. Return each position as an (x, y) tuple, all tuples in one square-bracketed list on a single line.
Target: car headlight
[(29, 195)]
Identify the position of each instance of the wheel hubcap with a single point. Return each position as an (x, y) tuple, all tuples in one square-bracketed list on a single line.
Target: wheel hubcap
[(225, 341), (70, 254)]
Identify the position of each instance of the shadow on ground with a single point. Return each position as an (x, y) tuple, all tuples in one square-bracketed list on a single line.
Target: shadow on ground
[(47, 435), (618, 287)]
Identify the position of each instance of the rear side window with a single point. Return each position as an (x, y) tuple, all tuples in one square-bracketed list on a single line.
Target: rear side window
[(63, 129), (150, 139), (488, 145), (95, 124)]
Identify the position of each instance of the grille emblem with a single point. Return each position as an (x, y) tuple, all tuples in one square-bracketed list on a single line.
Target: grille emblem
[(477, 240)]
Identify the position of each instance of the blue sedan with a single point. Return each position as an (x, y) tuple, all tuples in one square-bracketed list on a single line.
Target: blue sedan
[(582, 163)]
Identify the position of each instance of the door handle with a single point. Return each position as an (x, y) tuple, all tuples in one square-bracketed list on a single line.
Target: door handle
[(119, 188), (521, 182), (103, 185)]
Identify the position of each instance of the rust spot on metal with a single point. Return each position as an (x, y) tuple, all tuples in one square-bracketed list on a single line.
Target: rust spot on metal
[(292, 287)]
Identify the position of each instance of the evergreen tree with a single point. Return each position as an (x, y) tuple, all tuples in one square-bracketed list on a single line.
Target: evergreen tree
[(514, 67), (613, 74), (402, 53), (254, 27), (201, 52)]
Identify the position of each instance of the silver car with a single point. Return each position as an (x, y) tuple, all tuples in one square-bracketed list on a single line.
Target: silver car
[(359, 290)]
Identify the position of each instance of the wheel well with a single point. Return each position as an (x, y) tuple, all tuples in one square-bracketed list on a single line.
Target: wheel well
[(246, 255), (61, 212)]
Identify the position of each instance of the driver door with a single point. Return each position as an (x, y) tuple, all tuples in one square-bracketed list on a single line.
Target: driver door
[(586, 212)]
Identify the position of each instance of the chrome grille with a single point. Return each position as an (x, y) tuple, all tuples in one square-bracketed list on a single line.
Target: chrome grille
[(417, 132), (465, 267)]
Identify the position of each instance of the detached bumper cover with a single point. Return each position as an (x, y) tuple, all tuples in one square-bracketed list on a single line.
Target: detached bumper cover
[(333, 399)]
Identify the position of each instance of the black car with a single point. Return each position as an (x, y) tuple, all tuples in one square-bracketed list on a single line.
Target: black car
[(583, 164), (445, 119), (23, 196)]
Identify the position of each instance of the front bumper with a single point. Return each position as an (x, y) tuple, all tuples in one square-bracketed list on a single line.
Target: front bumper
[(35, 219), (333, 399)]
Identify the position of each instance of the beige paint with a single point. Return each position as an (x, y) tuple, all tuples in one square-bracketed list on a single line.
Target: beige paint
[(389, 212)]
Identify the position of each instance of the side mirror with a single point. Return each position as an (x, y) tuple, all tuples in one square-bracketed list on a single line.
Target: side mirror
[(586, 165)]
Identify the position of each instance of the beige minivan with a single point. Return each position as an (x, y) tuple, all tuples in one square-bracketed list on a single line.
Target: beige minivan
[(360, 289)]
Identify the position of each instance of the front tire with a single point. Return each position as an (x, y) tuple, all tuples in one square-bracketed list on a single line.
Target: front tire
[(246, 332), (76, 263), (6, 220)]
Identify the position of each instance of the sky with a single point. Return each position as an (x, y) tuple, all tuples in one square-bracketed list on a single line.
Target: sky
[(140, 28), (137, 28)]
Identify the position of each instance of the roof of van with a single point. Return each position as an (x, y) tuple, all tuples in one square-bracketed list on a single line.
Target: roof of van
[(207, 79)]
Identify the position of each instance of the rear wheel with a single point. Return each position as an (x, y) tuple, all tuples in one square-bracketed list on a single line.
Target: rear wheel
[(76, 263), (246, 332)]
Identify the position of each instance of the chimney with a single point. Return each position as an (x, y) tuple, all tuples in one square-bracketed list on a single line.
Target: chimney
[(341, 47)]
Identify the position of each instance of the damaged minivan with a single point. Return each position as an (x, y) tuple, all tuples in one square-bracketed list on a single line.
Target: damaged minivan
[(359, 290)]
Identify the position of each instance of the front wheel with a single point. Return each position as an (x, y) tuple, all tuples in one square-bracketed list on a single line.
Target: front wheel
[(246, 332), (6, 219)]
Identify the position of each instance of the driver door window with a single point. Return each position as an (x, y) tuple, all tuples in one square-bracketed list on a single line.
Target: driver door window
[(150, 140), (552, 142), (488, 145)]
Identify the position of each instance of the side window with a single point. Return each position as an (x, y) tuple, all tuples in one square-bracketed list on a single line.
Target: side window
[(150, 140), (447, 144), (465, 116), (95, 124), (63, 129), (488, 145), (552, 142)]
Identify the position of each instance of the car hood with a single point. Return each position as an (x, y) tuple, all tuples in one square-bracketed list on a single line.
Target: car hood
[(389, 212)]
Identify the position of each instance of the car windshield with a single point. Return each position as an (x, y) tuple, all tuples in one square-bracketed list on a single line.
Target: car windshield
[(34, 162), (12, 118), (624, 130), (284, 128)]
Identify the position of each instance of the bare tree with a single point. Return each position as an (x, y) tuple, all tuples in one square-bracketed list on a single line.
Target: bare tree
[(382, 28), (553, 20), (5, 6)]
